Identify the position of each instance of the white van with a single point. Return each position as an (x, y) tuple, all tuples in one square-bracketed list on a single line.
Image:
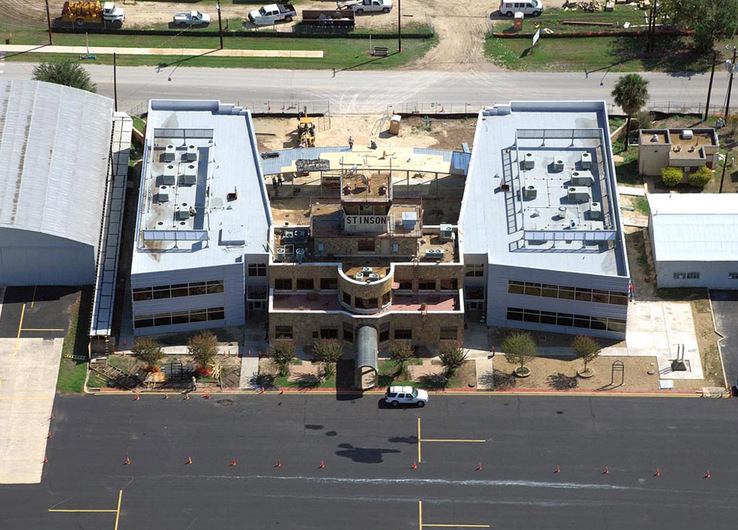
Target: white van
[(527, 7)]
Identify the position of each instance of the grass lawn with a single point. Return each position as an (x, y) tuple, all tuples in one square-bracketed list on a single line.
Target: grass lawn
[(338, 53), (304, 382), (71, 376), (553, 19), (595, 54)]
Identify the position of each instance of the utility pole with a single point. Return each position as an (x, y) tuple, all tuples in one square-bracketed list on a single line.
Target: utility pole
[(730, 83), (220, 24), (722, 178), (709, 87), (399, 26), (48, 21), (115, 80)]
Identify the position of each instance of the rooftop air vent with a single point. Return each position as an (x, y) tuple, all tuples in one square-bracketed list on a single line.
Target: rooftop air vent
[(655, 138), (359, 276), (169, 153), (558, 165), (528, 162), (191, 154), (687, 134), (586, 160)]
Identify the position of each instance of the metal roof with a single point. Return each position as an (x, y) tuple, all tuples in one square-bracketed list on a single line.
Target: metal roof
[(54, 154), (366, 347), (694, 226), (522, 204)]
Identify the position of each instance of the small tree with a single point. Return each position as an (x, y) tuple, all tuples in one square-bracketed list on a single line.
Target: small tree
[(401, 353), (452, 356), (700, 177), (587, 349), (671, 176), (67, 73), (283, 351), (630, 94), (148, 352), (327, 352), (203, 347), (519, 349)]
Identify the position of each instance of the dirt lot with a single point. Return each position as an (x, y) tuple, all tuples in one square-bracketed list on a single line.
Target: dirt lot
[(461, 25), (279, 133)]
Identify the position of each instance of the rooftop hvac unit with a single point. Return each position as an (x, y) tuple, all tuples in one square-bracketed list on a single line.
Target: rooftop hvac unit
[(359, 276), (529, 192), (447, 232), (162, 197), (170, 172), (578, 194), (558, 165), (586, 160), (687, 134), (409, 220), (300, 253), (434, 253), (280, 253), (373, 277), (191, 152), (563, 213), (528, 162), (169, 153), (288, 234), (582, 178), (183, 215), (301, 234), (595, 210), (366, 270)]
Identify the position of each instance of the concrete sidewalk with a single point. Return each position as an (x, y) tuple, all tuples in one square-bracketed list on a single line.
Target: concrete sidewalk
[(109, 50)]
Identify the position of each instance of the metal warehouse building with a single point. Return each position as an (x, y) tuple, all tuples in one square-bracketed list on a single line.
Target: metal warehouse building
[(54, 161), (540, 223), (694, 239), (201, 247)]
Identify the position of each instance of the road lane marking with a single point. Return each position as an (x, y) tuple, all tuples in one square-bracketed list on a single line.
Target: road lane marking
[(117, 511), (43, 329), (20, 327)]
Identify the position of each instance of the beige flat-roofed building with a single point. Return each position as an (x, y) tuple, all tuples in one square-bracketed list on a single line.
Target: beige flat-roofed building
[(688, 149)]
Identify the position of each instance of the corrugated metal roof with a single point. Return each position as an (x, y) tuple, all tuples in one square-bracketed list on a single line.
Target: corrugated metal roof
[(694, 227), (54, 147)]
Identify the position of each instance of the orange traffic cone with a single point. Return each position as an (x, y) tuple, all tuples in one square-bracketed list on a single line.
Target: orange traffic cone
[(127, 462), (281, 391), (322, 465), (557, 470), (414, 466), (658, 473), (48, 435), (187, 397), (262, 390), (606, 471), (166, 396), (138, 397), (233, 463), (189, 460), (52, 416), (206, 396), (479, 467), (708, 475), (279, 463)]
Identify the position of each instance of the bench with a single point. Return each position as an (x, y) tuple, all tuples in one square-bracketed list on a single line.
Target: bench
[(380, 51)]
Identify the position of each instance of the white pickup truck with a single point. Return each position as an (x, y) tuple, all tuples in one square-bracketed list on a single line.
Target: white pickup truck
[(368, 6), (192, 18), (272, 13)]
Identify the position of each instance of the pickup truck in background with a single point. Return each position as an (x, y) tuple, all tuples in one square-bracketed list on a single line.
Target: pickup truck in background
[(272, 13), (192, 18), (368, 6)]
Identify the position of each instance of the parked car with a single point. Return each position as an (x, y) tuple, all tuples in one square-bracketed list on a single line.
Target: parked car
[(527, 7), (192, 18), (272, 13), (406, 395), (368, 6)]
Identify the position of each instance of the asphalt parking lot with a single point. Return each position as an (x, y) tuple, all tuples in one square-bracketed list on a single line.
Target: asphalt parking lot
[(36, 312), (725, 309), (368, 452)]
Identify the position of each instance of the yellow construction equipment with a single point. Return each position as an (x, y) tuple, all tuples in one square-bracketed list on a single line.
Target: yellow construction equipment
[(306, 131), (82, 13)]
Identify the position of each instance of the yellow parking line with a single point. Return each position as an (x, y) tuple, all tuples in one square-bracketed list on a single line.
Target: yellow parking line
[(33, 298), (458, 441), (117, 511), (43, 329), (85, 511), (419, 458), (459, 525), (420, 505), (20, 327)]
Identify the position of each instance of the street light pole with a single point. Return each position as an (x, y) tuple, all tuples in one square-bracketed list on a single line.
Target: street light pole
[(399, 26), (730, 83), (709, 87), (220, 24)]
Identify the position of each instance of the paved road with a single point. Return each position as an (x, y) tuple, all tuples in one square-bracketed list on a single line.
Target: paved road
[(725, 305), (368, 451), (357, 91)]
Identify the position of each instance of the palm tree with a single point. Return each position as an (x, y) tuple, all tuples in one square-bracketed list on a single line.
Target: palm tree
[(66, 73), (630, 94)]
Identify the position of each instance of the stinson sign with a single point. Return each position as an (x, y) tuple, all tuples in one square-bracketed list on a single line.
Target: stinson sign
[(365, 223)]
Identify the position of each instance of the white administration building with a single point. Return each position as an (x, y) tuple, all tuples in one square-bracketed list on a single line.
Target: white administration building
[(55, 162), (694, 239), (540, 224), (201, 248)]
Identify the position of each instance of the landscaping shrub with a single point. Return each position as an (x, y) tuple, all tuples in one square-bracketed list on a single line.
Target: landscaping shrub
[(671, 176), (283, 351), (451, 355), (700, 177)]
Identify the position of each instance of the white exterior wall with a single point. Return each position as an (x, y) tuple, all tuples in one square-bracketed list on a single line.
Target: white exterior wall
[(498, 299), (32, 258), (713, 275), (232, 298)]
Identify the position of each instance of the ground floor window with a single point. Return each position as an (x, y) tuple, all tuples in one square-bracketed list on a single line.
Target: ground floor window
[(283, 332), (403, 334), (565, 319), (328, 333), (384, 333), (283, 284), (449, 333), (178, 317), (348, 332)]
